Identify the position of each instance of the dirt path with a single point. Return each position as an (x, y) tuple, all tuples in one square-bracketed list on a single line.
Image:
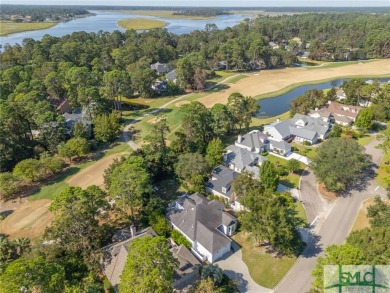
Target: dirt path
[(268, 81), (29, 220), (93, 175)]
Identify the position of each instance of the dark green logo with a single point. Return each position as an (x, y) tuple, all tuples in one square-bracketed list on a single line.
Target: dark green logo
[(356, 279)]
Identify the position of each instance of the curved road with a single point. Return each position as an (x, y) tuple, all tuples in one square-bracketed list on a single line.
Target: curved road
[(333, 226)]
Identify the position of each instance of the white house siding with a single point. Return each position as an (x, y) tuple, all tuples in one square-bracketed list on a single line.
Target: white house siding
[(273, 133), (244, 147), (221, 252), (209, 190), (204, 251)]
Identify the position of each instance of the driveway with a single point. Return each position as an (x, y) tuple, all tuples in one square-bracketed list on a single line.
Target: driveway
[(235, 268), (332, 229)]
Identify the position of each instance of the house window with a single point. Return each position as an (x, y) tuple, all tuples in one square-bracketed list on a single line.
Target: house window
[(224, 189)]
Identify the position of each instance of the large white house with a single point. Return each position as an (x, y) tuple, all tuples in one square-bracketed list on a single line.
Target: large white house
[(204, 224)]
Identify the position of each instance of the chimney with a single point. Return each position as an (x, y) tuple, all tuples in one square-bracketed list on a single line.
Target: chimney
[(239, 139), (133, 231)]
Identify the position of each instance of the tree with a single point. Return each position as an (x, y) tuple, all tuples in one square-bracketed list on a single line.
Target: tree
[(9, 185), (345, 254), (196, 124), (130, 186), (77, 146), (222, 119), (32, 275), (107, 127), (149, 267), (191, 165), (365, 119), (385, 137), (242, 109), (214, 152), (379, 213), (293, 165), (309, 100), (269, 176), (200, 76), (80, 130), (53, 164), (213, 272), (206, 286), (331, 95), (334, 157), (116, 83), (77, 222), (337, 130), (30, 169)]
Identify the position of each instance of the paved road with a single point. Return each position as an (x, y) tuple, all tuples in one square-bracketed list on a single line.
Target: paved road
[(126, 131), (332, 229)]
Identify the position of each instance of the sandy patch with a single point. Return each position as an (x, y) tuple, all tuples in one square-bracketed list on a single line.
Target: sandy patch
[(93, 175), (181, 103), (326, 193), (362, 221), (272, 80), (30, 220)]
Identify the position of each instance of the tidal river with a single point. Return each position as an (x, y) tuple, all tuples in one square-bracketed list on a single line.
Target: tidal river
[(107, 21)]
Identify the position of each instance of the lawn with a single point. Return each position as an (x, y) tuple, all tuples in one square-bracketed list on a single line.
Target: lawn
[(141, 23), (365, 140), (12, 28), (264, 121), (305, 150), (383, 171), (120, 148), (300, 211), (336, 64), (237, 78), (264, 268)]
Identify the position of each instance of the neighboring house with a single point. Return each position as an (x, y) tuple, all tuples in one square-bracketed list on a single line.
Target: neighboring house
[(171, 76), (280, 147), (160, 68), (187, 273), (160, 87), (341, 94), (337, 113), (62, 105), (115, 256), (301, 128), (204, 224), (77, 116), (254, 141), (222, 65), (240, 160), (220, 182)]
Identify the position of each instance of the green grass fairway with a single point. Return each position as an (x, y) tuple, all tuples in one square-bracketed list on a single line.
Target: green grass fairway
[(237, 78), (141, 23), (7, 28)]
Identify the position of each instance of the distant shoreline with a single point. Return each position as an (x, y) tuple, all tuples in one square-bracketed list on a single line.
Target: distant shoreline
[(141, 23)]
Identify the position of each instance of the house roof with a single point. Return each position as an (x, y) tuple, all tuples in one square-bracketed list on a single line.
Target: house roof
[(221, 177), (323, 112), (313, 124), (199, 219), (343, 110), (115, 254), (188, 263), (160, 67), (283, 127), (253, 139), (75, 117), (241, 157), (171, 75), (281, 145)]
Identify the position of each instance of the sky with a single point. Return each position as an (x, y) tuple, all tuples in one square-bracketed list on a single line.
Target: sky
[(225, 3)]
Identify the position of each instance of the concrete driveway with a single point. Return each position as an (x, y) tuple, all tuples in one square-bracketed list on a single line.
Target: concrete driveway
[(235, 268)]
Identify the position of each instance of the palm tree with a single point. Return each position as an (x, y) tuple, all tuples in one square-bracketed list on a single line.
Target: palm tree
[(22, 245)]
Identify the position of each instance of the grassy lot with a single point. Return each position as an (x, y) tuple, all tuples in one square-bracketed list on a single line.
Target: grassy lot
[(305, 150), (335, 64), (264, 268), (141, 23), (268, 120), (365, 140), (161, 13), (383, 171), (237, 78), (300, 211), (11, 27), (292, 179)]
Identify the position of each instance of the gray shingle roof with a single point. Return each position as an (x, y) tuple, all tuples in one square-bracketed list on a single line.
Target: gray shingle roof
[(253, 139), (160, 67), (314, 124), (281, 145), (241, 157), (171, 75), (188, 265), (199, 220), (222, 177)]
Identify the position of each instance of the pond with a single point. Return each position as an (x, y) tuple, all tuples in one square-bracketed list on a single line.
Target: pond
[(107, 21), (280, 104)]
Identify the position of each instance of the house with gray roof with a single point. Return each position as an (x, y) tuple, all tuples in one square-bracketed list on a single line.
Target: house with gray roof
[(77, 116), (254, 141), (240, 159), (115, 256), (171, 76), (220, 182), (204, 224), (160, 68), (300, 128)]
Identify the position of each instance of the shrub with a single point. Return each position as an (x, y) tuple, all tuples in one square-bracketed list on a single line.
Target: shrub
[(281, 170), (54, 164), (31, 170), (9, 185), (306, 142), (180, 239)]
